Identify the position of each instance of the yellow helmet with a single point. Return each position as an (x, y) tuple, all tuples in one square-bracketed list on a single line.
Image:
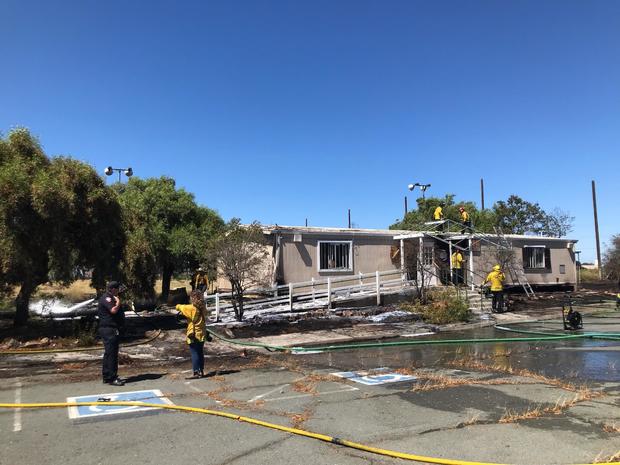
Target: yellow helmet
[(497, 268)]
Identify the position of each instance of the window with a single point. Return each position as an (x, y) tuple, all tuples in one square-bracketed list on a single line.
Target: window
[(335, 256), (562, 269), (427, 255), (536, 257)]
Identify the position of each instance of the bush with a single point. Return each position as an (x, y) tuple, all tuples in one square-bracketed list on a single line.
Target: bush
[(587, 275), (444, 306)]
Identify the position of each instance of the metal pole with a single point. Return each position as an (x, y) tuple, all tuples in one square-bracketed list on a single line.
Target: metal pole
[(577, 266), (329, 292), (471, 265), (482, 192), (290, 296), (402, 260), (406, 210), (450, 261), (378, 285), (349, 218), (598, 243), (217, 306)]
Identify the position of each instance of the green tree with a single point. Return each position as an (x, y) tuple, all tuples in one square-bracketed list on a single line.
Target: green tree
[(56, 215), (518, 216), (241, 256), (611, 259), (482, 221), (167, 231)]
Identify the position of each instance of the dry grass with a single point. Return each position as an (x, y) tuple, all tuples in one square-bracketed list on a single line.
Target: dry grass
[(298, 419), (560, 405), (611, 428), (512, 417), (472, 421), (497, 368), (81, 290), (600, 458), (77, 291), (445, 382)]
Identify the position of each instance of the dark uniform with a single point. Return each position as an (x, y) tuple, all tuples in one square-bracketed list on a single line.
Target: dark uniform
[(109, 329)]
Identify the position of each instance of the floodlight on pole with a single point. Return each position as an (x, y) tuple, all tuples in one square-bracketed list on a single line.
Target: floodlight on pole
[(422, 187), (128, 172)]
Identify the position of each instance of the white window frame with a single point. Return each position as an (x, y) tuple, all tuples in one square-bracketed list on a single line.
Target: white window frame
[(338, 270), (428, 255), (544, 263)]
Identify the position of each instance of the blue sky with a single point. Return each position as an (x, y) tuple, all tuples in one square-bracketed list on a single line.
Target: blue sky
[(279, 111)]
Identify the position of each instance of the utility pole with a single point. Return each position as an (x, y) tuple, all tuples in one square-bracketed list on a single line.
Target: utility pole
[(482, 192), (349, 218), (598, 242), (406, 210)]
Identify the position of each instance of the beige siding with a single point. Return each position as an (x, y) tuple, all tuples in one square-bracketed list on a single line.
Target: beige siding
[(559, 253), (299, 260)]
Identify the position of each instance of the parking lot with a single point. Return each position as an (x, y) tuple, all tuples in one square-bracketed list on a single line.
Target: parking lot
[(459, 409)]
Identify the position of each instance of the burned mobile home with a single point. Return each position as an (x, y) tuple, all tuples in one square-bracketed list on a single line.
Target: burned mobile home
[(302, 254)]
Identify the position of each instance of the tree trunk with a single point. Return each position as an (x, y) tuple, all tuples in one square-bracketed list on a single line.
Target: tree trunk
[(22, 302), (237, 298), (165, 282)]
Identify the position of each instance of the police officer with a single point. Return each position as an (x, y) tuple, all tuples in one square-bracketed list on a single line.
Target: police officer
[(111, 320)]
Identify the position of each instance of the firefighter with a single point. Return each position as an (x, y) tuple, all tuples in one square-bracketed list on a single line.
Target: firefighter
[(465, 220), (496, 278), (438, 213), (438, 216), (457, 268), (200, 280)]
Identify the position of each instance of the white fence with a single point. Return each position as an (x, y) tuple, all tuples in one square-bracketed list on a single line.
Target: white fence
[(326, 290)]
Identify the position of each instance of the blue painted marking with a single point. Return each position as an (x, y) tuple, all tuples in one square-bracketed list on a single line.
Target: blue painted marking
[(151, 396), (374, 380)]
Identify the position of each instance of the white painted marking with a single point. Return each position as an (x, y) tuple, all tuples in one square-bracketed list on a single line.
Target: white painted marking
[(260, 396), (300, 396), (430, 333), (382, 377), (193, 388), (17, 420)]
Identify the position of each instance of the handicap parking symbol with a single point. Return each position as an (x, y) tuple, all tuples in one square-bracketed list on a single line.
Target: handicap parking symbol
[(84, 412), (363, 377)]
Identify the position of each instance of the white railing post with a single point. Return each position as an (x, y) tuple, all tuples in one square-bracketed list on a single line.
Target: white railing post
[(313, 295), (290, 296), (217, 306), (361, 279), (329, 292), (378, 288)]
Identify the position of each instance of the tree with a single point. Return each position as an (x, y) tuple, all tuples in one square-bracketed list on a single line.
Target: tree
[(611, 259), (482, 221), (241, 255), (558, 223), (167, 231), (518, 216), (56, 215)]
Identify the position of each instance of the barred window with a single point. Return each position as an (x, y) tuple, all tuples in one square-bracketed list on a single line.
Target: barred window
[(335, 256), (427, 255), (536, 257)]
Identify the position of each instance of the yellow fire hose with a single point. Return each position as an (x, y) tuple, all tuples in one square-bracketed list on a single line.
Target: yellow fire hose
[(286, 429)]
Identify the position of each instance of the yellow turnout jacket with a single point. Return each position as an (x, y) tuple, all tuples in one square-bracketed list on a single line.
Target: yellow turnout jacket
[(496, 278), (196, 323)]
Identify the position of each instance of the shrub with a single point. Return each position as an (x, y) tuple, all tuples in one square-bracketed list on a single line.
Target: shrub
[(444, 306)]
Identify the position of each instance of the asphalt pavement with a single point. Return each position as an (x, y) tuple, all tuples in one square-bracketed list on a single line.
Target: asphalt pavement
[(468, 406)]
